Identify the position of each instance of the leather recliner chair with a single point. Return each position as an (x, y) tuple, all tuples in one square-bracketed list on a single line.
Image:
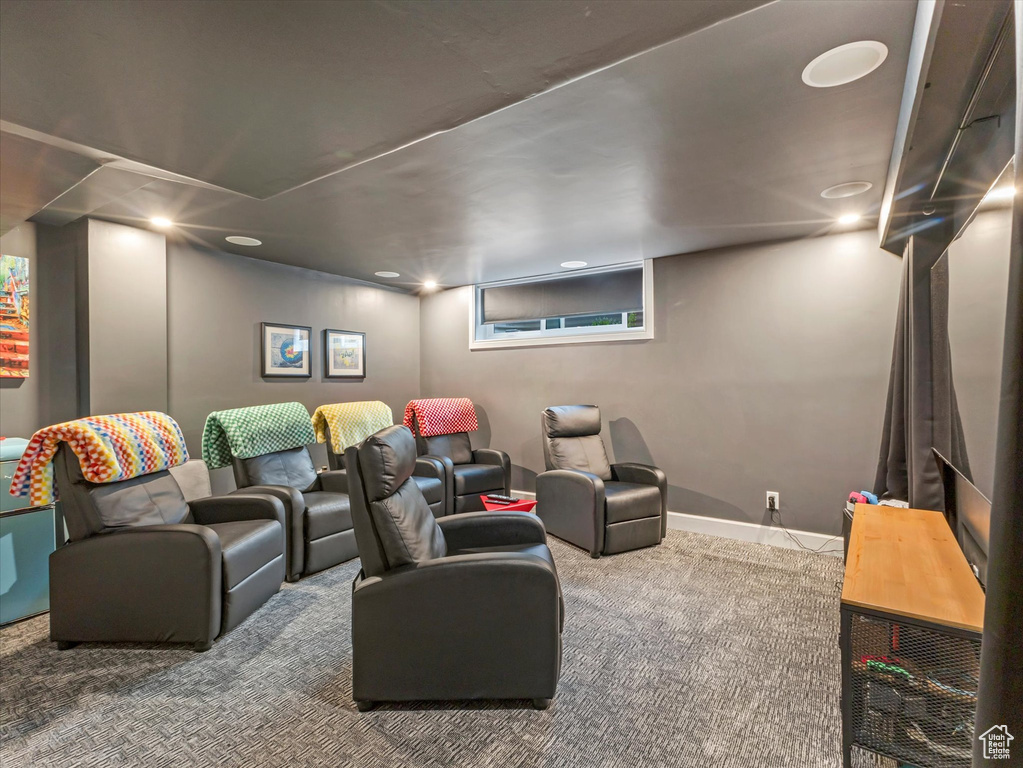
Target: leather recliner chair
[(461, 607), (144, 565), (430, 474), (469, 473), (605, 508), (317, 509)]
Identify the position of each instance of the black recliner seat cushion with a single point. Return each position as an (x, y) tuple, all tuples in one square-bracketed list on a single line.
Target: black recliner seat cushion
[(477, 478), (432, 488), (246, 546), (326, 514), (574, 440), (631, 501), (293, 468), (456, 447), (154, 499), (406, 528)]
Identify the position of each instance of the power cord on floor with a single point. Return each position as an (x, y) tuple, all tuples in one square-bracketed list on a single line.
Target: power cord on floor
[(776, 520)]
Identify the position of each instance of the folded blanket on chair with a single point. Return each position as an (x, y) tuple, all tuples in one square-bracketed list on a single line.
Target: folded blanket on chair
[(350, 423), (109, 448), (255, 431), (441, 416)]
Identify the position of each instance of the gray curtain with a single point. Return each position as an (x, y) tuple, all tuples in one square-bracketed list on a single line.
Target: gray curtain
[(921, 412), (1001, 667)]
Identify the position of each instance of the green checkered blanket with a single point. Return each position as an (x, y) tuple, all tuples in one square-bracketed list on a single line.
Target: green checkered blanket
[(255, 431)]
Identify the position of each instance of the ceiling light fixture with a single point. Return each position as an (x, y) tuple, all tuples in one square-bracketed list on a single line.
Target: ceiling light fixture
[(161, 221), (848, 218), (242, 240), (386, 274), (430, 285), (845, 63), (573, 264), (1000, 193), (846, 189)]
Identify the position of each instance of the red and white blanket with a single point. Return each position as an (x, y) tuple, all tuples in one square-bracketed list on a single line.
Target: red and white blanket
[(441, 416)]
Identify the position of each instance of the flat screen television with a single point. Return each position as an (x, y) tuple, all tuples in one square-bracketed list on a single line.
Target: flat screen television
[(969, 514)]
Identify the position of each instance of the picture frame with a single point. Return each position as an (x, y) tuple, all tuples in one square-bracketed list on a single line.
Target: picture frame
[(344, 354), (286, 351)]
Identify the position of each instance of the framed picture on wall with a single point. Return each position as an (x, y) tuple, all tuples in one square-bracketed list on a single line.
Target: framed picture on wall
[(344, 354), (14, 317), (286, 350)]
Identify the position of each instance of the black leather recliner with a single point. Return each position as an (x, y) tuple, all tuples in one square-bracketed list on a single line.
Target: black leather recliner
[(144, 565), (430, 475), (318, 512), (605, 508), (468, 473), (461, 607)]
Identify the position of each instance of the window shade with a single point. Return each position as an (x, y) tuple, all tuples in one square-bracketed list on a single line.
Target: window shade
[(619, 291)]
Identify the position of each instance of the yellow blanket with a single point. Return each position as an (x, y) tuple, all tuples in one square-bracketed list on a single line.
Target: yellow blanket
[(350, 423)]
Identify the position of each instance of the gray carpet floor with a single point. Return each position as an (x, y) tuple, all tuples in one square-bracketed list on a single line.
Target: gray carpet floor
[(699, 652)]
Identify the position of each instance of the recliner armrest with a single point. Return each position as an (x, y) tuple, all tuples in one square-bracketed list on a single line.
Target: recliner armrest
[(571, 504), (498, 458), (334, 481), (441, 467), (237, 506), (290, 497), (465, 588), (644, 474), (492, 529), (147, 583), (294, 515)]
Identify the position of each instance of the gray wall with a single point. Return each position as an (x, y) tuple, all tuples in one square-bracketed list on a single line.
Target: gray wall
[(769, 371), (123, 309), (216, 302), (48, 395), (978, 266)]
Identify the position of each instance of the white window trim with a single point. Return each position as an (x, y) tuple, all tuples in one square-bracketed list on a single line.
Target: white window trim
[(638, 334)]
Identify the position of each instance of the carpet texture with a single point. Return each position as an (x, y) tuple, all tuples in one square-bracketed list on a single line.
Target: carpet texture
[(699, 652)]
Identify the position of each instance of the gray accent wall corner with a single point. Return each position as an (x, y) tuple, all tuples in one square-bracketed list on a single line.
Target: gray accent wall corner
[(768, 372)]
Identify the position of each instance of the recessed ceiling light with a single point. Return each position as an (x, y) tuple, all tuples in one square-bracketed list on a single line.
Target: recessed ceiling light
[(1001, 193), (242, 240), (161, 221), (430, 285), (573, 264), (845, 63), (848, 218), (387, 274), (847, 189)]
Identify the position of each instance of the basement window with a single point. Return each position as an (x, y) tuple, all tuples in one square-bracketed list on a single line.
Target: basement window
[(594, 305)]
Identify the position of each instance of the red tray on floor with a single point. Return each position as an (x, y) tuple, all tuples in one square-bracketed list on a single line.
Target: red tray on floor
[(522, 505)]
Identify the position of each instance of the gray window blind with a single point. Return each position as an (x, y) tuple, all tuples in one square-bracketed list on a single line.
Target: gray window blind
[(619, 291)]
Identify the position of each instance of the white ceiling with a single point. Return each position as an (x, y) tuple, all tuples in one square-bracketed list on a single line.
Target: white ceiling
[(710, 139)]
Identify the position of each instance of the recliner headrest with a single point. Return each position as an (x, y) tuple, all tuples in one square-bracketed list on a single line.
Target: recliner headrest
[(386, 460), (572, 420)]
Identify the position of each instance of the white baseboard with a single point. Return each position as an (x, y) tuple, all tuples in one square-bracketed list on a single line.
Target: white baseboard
[(735, 529), (759, 534)]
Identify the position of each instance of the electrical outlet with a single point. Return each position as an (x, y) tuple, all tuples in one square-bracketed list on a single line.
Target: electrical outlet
[(776, 498)]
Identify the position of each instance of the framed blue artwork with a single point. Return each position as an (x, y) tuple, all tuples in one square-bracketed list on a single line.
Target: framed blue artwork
[(286, 351)]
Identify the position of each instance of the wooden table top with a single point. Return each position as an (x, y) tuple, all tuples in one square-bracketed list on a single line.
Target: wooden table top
[(907, 562)]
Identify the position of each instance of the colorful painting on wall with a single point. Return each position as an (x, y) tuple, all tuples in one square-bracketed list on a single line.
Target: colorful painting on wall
[(286, 350), (14, 317), (345, 355)]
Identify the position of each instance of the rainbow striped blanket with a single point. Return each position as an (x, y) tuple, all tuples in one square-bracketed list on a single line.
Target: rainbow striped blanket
[(109, 448), (350, 423)]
